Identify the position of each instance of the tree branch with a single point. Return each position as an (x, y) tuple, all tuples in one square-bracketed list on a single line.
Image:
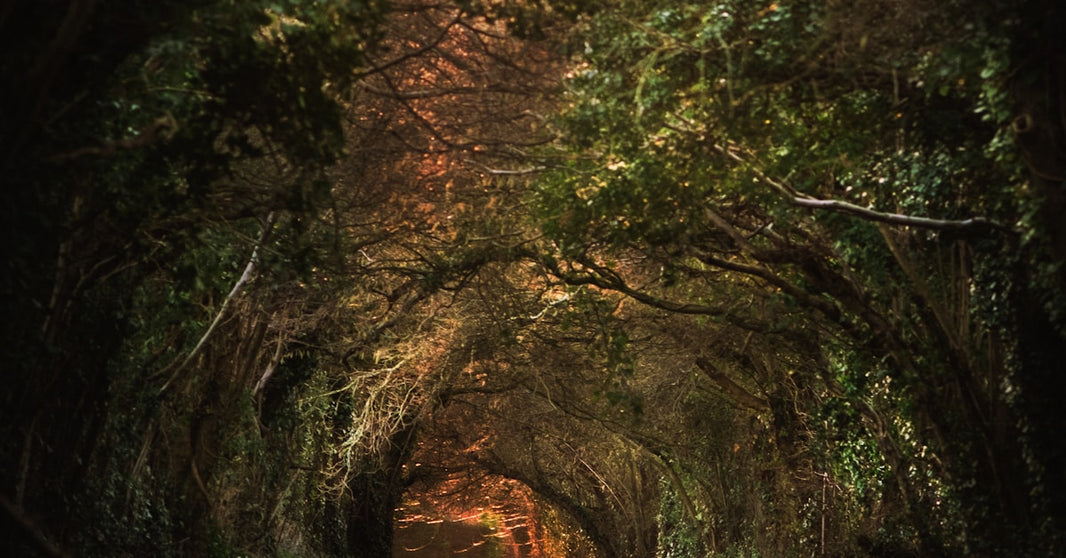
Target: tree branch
[(249, 269), (163, 128), (31, 529), (899, 219), (609, 280), (802, 200), (735, 391), (414, 53), (274, 362)]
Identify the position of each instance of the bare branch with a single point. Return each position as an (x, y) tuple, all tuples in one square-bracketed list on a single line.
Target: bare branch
[(607, 279), (31, 529), (505, 172), (838, 206), (730, 230), (899, 219), (435, 93), (274, 362), (249, 269), (735, 391), (414, 53)]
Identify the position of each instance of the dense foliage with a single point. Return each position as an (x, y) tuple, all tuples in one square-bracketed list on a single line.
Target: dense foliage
[(628, 278), (157, 156), (851, 173)]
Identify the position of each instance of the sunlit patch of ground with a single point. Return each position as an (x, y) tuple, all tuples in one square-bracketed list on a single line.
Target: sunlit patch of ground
[(495, 519)]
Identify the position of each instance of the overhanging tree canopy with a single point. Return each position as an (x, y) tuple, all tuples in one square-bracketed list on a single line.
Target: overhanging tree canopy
[(747, 266)]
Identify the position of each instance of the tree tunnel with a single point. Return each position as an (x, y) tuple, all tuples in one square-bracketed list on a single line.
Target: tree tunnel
[(532, 278)]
